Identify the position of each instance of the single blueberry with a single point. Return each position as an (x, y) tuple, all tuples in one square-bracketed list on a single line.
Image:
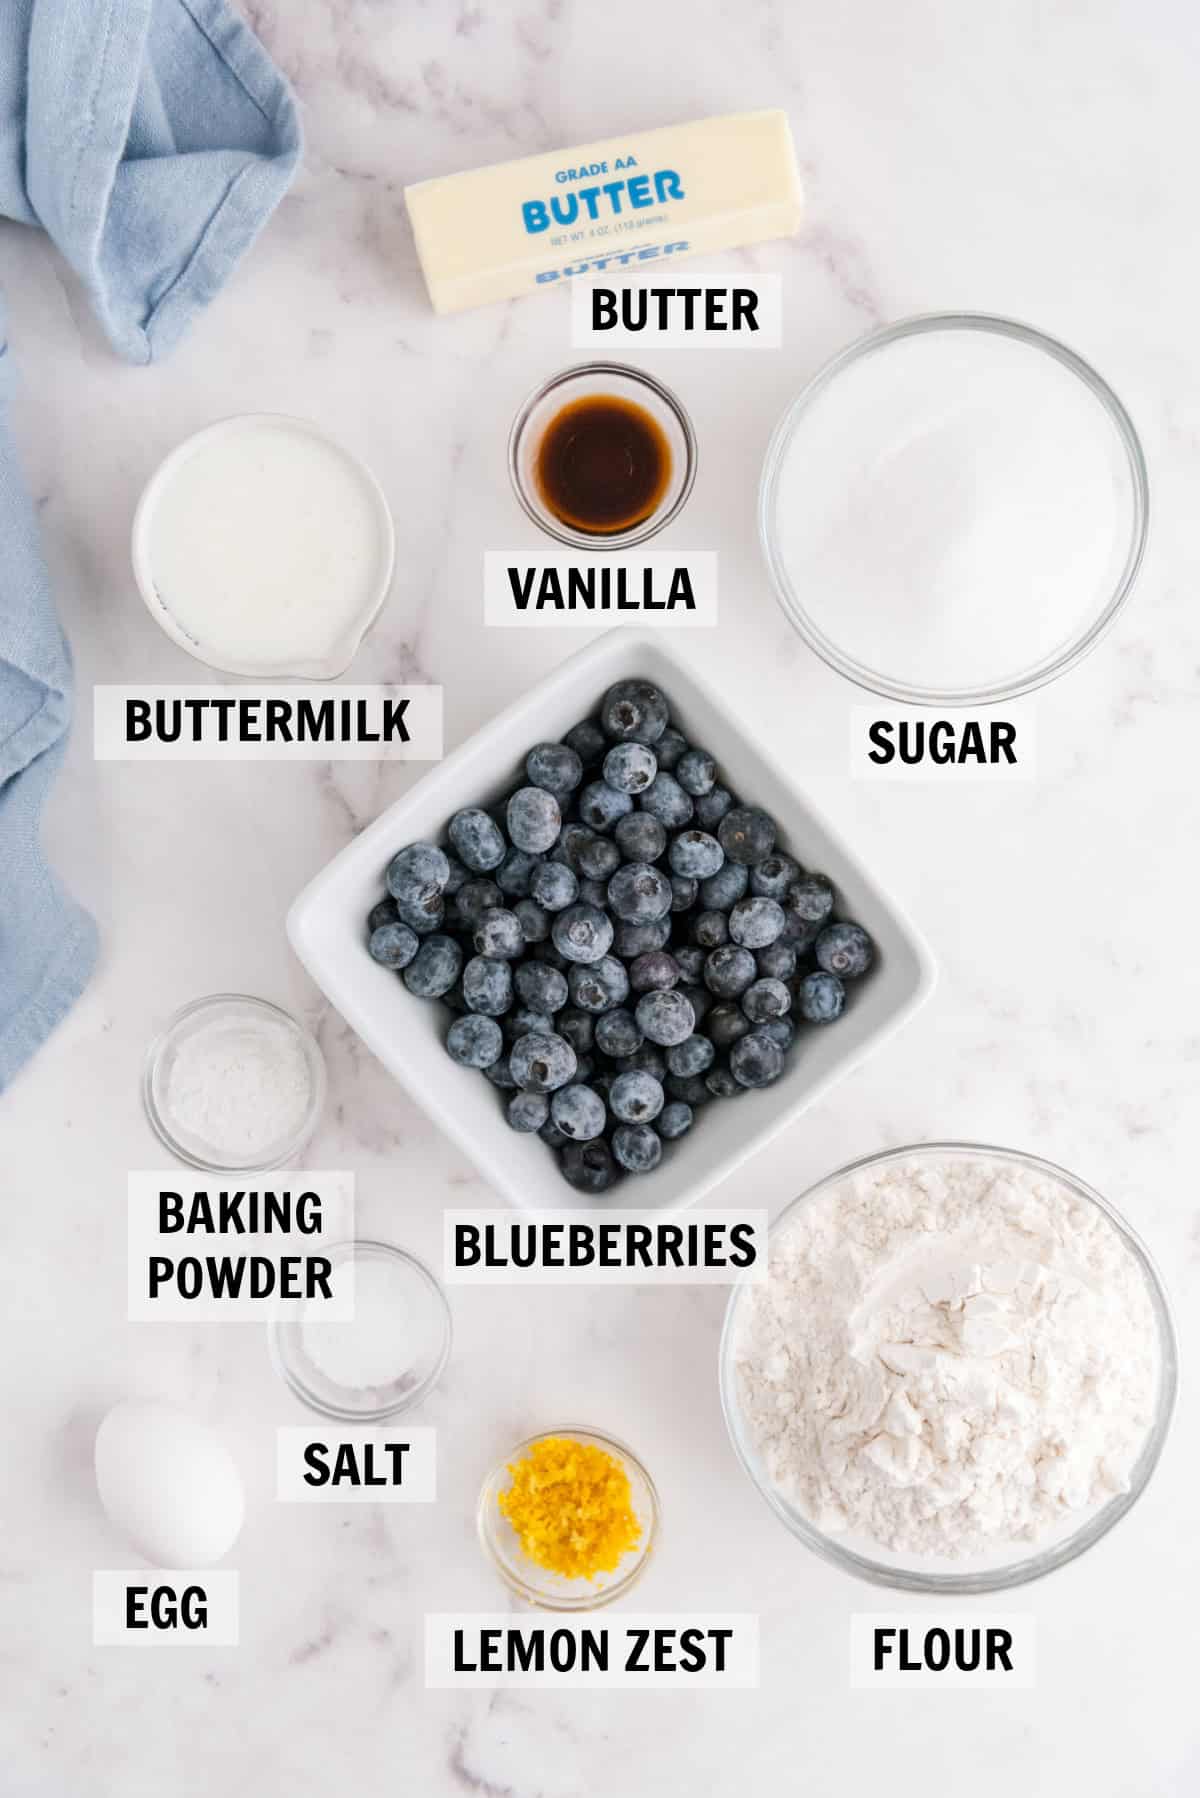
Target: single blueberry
[(690, 959), (582, 933), (599, 985), (553, 885), (534, 820), (709, 929), (820, 998), (528, 1111), (722, 890), (630, 767), (552, 1136), (666, 1018), (639, 837), (811, 898), (477, 840), (599, 859), (393, 945), (500, 1075), (588, 1166), (696, 773), (381, 914), (746, 834), (578, 1113), (666, 800), (435, 967), (534, 922), (632, 940), (542, 1061), (674, 1120), (781, 1031), (725, 1024), (594, 892), (729, 971), (654, 972), (499, 933), (755, 1060), (766, 999), (635, 1098), (567, 848), (555, 766), (721, 1084), (422, 912), (601, 805), (513, 874), (543, 988), (695, 854), (669, 747), (634, 711), (692, 1056), (777, 961), (637, 1148), (617, 1032), (587, 740), (487, 985), (712, 807), (474, 1042), (772, 877), (639, 894), (415, 869), (845, 950), (683, 892), (756, 922)]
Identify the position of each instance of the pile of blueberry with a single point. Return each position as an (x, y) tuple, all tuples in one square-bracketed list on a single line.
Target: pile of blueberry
[(620, 938)]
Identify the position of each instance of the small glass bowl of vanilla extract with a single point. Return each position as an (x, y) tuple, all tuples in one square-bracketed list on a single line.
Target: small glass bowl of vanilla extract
[(602, 456)]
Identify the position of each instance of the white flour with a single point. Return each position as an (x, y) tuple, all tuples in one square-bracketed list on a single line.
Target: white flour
[(949, 1354)]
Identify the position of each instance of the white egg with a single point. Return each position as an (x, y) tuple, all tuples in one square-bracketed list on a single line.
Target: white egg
[(168, 1482)]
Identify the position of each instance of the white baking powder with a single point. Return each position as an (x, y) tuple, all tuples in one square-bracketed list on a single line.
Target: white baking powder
[(950, 1353), (238, 1085)]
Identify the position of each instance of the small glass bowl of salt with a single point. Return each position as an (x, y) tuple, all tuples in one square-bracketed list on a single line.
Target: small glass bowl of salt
[(382, 1361), (234, 1083)]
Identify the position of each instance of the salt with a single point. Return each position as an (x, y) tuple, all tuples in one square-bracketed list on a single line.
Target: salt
[(380, 1346)]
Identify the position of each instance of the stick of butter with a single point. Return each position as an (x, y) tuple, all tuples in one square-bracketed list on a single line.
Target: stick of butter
[(622, 203)]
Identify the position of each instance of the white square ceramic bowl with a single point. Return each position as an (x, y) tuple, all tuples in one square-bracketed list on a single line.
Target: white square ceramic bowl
[(326, 927)]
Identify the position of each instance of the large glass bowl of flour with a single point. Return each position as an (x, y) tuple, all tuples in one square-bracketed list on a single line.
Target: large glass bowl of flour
[(954, 510), (960, 1373)]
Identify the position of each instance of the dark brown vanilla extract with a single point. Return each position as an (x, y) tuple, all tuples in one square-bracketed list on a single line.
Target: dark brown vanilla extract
[(603, 465)]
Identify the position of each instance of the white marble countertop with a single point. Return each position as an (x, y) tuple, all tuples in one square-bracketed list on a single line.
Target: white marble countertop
[(1032, 161)]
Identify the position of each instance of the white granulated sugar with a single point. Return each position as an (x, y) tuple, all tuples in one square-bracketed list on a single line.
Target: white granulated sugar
[(239, 1086), (954, 509), (948, 1355)]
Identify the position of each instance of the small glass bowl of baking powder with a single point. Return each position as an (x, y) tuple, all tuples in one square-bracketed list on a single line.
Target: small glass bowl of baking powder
[(234, 1083), (385, 1358), (1006, 1564)]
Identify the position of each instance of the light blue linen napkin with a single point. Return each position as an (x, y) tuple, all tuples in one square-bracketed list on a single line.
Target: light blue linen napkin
[(151, 139)]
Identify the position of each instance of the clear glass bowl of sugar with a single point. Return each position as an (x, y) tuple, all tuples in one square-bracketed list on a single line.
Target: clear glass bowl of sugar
[(954, 510), (382, 1359), (1005, 1562)]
